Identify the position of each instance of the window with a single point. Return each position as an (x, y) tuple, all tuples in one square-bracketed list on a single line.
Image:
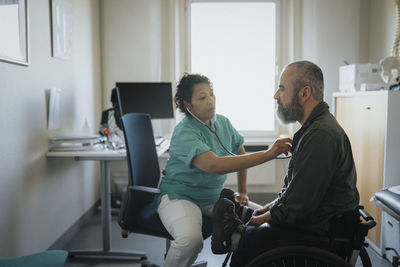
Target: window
[(234, 44)]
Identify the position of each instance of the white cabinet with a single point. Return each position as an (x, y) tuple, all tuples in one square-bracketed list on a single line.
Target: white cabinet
[(372, 123), (390, 235)]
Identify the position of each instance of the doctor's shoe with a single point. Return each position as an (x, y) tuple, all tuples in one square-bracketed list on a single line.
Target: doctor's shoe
[(225, 223), (244, 212)]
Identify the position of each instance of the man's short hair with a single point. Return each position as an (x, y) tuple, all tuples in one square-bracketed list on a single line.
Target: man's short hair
[(309, 74)]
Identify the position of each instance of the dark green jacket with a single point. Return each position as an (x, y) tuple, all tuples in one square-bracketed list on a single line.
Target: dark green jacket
[(321, 178)]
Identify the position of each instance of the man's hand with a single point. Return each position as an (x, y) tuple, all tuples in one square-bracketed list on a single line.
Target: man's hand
[(264, 209), (257, 220), (261, 211), (243, 199)]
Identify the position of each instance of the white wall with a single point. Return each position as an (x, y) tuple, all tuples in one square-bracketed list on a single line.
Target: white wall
[(131, 42), (358, 31), (134, 47), (41, 198), (330, 35), (382, 29)]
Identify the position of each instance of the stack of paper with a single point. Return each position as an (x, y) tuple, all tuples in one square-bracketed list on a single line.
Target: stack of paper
[(76, 143)]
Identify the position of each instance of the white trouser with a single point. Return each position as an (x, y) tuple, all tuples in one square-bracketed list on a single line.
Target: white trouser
[(183, 220)]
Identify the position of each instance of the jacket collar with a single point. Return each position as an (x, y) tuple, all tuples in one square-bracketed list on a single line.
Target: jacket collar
[(319, 109)]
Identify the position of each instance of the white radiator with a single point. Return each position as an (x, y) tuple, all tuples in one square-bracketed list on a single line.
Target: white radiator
[(264, 174)]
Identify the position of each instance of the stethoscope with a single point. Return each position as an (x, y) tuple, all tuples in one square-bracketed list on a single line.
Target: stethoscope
[(213, 131), (219, 140)]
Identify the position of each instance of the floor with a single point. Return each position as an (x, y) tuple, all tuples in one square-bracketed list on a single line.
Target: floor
[(90, 237)]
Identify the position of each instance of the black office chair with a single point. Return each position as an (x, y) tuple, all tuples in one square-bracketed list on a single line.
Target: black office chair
[(138, 213)]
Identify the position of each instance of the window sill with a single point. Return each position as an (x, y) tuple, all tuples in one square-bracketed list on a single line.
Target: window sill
[(257, 144), (250, 141)]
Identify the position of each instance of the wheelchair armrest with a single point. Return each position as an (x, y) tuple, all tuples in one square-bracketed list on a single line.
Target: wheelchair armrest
[(365, 214), (363, 232), (368, 225), (145, 189), (364, 226)]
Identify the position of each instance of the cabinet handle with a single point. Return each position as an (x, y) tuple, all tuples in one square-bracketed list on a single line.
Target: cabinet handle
[(390, 224), (368, 108)]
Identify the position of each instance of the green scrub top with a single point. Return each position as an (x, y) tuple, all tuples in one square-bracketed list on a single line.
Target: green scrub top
[(191, 138)]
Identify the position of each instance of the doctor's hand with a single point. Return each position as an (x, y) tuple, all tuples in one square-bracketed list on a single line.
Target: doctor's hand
[(280, 146)]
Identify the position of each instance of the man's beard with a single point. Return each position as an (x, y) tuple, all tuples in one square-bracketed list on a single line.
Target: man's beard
[(292, 113)]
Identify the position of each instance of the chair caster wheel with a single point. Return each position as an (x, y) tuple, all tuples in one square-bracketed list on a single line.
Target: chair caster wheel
[(124, 233)]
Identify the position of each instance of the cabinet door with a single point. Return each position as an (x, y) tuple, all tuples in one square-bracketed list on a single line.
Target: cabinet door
[(364, 119)]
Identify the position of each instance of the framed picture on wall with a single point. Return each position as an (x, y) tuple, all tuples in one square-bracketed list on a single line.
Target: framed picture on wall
[(61, 25), (14, 31)]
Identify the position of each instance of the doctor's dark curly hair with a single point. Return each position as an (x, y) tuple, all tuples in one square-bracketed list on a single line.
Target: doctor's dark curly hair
[(185, 87)]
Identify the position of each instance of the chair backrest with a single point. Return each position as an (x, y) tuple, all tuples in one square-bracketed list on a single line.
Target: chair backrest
[(143, 167), (141, 150)]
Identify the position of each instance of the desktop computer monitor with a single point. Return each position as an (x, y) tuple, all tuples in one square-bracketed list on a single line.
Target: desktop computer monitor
[(154, 98)]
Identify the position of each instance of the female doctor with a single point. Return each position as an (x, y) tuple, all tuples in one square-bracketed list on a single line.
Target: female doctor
[(204, 148)]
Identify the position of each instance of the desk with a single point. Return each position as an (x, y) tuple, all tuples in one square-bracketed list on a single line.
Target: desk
[(104, 156)]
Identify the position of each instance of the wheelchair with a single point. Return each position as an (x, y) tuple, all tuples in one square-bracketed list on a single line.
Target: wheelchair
[(339, 250)]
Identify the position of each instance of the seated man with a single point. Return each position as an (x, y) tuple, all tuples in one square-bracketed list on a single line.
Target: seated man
[(320, 182)]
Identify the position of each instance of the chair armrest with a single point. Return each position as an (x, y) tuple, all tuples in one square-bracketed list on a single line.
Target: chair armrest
[(152, 190)]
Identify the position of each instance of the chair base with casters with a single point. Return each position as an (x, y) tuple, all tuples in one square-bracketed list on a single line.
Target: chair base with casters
[(109, 254), (339, 251), (49, 258), (138, 213)]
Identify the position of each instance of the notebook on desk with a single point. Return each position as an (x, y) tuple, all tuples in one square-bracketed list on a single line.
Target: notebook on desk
[(76, 143)]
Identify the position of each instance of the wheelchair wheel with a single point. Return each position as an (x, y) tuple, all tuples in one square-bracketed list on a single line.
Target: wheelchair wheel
[(299, 256), (364, 257)]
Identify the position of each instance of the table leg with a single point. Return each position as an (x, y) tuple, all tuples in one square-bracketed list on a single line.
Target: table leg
[(105, 205), (107, 252)]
